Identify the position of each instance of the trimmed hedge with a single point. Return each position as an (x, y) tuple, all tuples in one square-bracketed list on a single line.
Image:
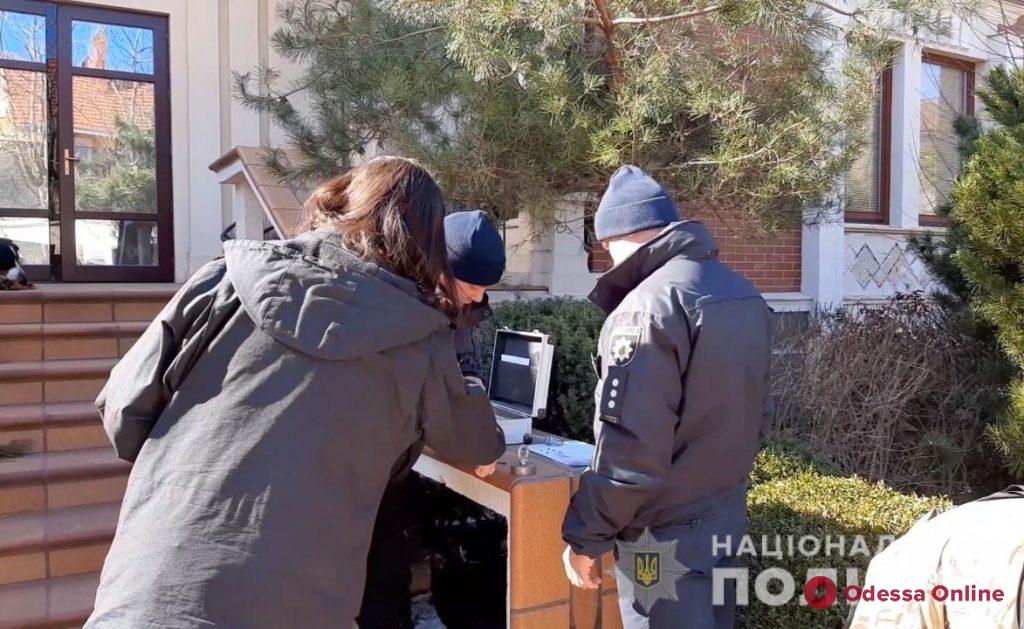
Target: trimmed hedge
[(793, 494)]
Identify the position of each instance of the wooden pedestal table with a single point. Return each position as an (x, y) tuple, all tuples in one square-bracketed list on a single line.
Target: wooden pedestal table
[(539, 596)]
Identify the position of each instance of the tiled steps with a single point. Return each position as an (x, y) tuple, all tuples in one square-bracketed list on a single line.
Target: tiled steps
[(59, 524), (60, 341), (54, 380), (60, 497), (57, 544), (46, 370), (50, 558), (60, 528), (58, 426), (44, 467), (20, 416), (48, 603)]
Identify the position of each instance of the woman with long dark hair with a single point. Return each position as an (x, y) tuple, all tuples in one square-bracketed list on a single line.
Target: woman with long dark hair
[(269, 403)]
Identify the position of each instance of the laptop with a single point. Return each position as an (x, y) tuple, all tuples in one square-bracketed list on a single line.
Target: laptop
[(520, 377)]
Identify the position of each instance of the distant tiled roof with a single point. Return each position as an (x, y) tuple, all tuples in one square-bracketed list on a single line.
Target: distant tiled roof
[(97, 103), (1017, 28), (283, 202), (22, 98)]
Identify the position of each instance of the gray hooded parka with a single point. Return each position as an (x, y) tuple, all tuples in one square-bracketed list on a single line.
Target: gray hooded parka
[(266, 408)]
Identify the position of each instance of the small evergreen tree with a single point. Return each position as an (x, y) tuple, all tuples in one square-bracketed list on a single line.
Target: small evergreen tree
[(755, 103), (987, 246), (121, 177)]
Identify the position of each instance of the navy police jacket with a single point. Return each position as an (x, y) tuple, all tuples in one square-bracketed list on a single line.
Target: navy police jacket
[(684, 357)]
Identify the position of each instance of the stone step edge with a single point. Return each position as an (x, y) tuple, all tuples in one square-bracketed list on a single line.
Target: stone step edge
[(54, 589), (72, 293), (53, 540), (45, 370), (99, 329), (21, 416), (58, 471)]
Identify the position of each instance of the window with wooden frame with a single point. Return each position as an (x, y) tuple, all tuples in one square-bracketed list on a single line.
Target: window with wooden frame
[(598, 258), (24, 134), (85, 149), (947, 94), (866, 198)]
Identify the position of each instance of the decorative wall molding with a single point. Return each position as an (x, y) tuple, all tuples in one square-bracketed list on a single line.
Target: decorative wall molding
[(881, 265)]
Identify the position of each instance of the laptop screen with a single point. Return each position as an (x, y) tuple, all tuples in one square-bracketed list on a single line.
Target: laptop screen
[(514, 369)]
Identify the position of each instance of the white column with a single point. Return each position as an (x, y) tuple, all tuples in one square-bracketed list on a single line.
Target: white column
[(823, 235), (905, 184), (823, 254), (198, 215), (244, 55), (246, 212), (569, 273)]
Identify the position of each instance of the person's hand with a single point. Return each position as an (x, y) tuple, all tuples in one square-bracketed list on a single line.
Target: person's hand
[(581, 570), (483, 471)]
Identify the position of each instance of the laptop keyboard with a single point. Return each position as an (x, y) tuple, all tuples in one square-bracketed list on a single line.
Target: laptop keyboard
[(505, 414)]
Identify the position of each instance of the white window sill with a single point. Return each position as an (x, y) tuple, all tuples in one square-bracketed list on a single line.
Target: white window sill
[(872, 228), (789, 302)]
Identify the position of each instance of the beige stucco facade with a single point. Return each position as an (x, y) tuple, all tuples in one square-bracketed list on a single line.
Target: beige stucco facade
[(211, 39)]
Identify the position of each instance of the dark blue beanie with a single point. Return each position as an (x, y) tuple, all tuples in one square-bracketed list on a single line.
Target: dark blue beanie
[(633, 202), (475, 249)]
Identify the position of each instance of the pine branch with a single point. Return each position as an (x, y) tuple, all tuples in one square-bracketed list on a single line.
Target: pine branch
[(513, 105)]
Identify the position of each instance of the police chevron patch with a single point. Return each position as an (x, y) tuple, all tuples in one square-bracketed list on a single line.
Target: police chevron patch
[(623, 344)]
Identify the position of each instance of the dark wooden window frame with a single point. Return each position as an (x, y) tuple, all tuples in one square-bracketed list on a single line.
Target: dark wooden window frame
[(60, 71), (969, 69), (35, 272), (884, 158), (598, 258)]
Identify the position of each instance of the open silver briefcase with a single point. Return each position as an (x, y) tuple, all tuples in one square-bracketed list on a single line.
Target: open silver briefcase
[(520, 377)]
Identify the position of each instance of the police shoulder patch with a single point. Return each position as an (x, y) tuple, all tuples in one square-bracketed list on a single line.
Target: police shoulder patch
[(623, 344), (613, 394)]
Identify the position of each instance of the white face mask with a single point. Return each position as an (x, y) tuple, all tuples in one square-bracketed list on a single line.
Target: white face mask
[(621, 249)]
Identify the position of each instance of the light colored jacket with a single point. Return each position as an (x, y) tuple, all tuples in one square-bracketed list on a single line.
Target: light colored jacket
[(979, 544)]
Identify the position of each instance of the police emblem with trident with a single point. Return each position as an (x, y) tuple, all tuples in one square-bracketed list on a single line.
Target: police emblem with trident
[(648, 570)]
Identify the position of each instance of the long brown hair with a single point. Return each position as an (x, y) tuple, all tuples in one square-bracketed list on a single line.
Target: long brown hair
[(390, 211)]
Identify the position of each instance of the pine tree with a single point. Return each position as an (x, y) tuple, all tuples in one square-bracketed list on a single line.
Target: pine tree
[(988, 241), (121, 176), (514, 103)]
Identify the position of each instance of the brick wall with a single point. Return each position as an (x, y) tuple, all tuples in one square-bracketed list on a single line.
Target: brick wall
[(771, 263)]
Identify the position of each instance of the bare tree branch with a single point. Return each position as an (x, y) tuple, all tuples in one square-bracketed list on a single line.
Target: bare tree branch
[(406, 36), (607, 25), (854, 14), (667, 18)]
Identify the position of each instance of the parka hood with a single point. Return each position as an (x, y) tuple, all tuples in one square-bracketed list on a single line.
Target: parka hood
[(685, 239), (313, 295)]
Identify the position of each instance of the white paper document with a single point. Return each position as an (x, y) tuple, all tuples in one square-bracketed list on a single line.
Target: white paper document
[(573, 453), (515, 360)]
